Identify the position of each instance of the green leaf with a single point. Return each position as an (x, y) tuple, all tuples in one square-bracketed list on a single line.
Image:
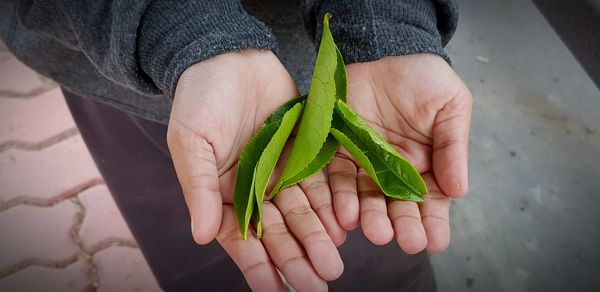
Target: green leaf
[(372, 166), (277, 114), (341, 81), (270, 155), (316, 119), (326, 121), (323, 158), (368, 160), (403, 169), (243, 198)]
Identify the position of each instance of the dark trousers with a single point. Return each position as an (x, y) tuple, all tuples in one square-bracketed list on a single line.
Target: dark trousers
[(132, 156)]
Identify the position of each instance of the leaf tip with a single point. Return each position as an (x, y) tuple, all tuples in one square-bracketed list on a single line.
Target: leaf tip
[(421, 186), (276, 189), (326, 18)]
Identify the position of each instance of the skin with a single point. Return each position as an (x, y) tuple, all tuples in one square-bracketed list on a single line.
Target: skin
[(419, 105), (415, 102), (219, 104)]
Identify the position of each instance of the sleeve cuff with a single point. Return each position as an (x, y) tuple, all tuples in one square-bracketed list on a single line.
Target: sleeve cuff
[(177, 34), (367, 31), (396, 40)]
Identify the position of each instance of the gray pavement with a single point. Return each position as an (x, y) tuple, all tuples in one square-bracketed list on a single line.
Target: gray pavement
[(531, 220)]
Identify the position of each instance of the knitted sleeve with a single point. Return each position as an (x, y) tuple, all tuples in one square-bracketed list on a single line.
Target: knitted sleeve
[(145, 45), (367, 30)]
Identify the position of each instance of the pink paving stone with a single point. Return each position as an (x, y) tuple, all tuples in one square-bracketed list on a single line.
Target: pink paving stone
[(17, 78), (101, 212), (70, 278), (41, 233), (45, 174), (35, 119), (124, 269)]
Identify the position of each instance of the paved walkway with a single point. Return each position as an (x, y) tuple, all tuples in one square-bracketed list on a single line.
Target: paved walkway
[(61, 230)]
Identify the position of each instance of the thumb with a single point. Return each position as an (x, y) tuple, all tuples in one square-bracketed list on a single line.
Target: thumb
[(196, 168), (450, 145)]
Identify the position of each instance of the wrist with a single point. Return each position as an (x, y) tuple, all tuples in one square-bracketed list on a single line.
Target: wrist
[(175, 35), (382, 28), (234, 65)]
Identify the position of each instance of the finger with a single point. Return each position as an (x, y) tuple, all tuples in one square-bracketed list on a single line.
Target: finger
[(373, 214), (450, 143), (307, 228), (249, 255), (319, 196), (195, 164), (435, 215), (408, 227), (286, 252), (342, 180)]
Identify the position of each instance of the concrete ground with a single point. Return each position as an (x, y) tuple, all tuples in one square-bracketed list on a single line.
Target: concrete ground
[(529, 222)]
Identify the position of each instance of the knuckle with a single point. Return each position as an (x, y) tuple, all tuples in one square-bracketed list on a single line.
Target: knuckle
[(200, 183), (314, 185), (370, 193), (270, 213), (436, 195), (315, 236), (228, 239), (290, 261), (406, 216), (364, 212), (441, 219), (275, 229), (342, 173), (324, 207), (298, 211), (253, 267), (342, 157), (342, 191)]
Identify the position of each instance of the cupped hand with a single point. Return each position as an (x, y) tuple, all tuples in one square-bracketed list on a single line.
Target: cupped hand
[(219, 104), (419, 105)]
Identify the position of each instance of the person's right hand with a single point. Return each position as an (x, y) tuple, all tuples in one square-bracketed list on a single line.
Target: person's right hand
[(219, 104)]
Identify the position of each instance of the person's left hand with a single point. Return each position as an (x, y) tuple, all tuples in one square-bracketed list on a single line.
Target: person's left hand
[(421, 107)]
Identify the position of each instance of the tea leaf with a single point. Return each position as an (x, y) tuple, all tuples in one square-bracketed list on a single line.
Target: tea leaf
[(341, 81), (316, 119), (323, 158), (243, 196), (399, 166), (268, 159), (372, 162), (277, 114), (325, 122)]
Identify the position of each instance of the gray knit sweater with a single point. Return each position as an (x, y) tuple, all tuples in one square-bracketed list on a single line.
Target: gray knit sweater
[(130, 54)]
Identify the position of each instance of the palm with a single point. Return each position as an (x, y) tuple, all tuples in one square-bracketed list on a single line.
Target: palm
[(235, 102), (416, 103), (218, 106)]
